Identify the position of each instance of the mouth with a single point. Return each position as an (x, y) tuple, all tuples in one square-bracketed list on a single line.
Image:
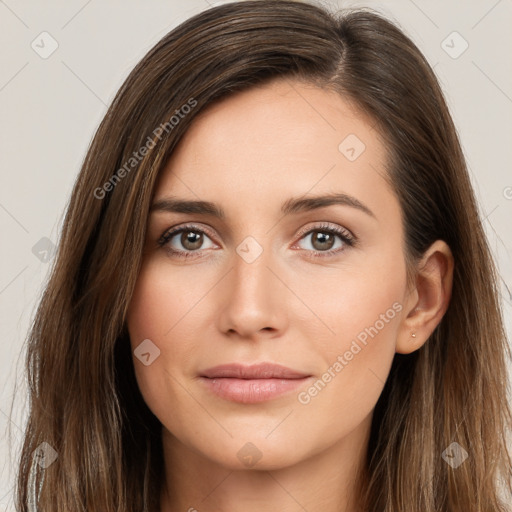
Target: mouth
[(252, 384)]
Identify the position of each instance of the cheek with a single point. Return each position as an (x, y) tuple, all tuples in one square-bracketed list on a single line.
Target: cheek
[(163, 301), (363, 312), (166, 310), (355, 303), (356, 365), (153, 311)]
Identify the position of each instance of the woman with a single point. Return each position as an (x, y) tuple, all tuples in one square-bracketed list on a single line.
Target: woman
[(273, 290)]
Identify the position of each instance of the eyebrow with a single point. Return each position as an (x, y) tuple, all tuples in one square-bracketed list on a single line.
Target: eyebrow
[(291, 206)]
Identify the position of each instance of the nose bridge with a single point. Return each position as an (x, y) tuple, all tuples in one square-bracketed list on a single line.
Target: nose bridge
[(252, 301), (251, 276)]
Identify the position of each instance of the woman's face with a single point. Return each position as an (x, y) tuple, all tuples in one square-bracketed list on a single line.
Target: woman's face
[(314, 285)]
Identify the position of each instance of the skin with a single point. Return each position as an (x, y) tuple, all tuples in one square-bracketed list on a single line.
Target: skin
[(249, 154)]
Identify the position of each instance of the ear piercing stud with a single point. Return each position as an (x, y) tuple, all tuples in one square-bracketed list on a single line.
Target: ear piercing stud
[(413, 335)]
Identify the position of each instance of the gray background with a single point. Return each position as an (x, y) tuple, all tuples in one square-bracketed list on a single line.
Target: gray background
[(50, 108)]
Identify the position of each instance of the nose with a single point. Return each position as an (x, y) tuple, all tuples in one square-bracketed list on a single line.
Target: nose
[(254, 299)]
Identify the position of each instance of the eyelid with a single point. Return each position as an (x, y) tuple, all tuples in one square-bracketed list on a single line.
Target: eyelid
[(324, 225)]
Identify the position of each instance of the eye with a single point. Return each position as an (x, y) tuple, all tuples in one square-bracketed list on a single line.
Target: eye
[(191, 241), (323, 240)]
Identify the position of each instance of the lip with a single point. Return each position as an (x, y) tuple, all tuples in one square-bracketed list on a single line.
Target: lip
[(252, 383)]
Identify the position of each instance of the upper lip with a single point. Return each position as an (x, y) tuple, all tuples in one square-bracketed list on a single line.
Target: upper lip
[(256, 371)]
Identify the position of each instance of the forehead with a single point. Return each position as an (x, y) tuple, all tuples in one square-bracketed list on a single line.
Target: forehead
[(275, 141)]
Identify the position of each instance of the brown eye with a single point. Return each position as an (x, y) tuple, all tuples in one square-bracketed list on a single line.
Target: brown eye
[(191, 240), (327, 240), (322, 240)]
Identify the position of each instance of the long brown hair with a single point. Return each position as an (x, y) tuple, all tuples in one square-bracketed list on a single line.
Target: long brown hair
[(84, 399)]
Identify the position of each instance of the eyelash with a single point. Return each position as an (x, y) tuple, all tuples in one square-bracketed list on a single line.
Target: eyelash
[(346, 237)]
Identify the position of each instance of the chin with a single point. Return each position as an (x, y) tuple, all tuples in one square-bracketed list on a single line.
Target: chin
[(256, 453)]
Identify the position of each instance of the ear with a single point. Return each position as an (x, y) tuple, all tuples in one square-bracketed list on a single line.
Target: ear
[(429, 298)]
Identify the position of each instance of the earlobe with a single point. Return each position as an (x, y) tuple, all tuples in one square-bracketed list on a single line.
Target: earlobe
[(429, 300)]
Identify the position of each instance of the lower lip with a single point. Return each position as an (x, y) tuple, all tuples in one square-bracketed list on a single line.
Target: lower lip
[(251, 391)]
